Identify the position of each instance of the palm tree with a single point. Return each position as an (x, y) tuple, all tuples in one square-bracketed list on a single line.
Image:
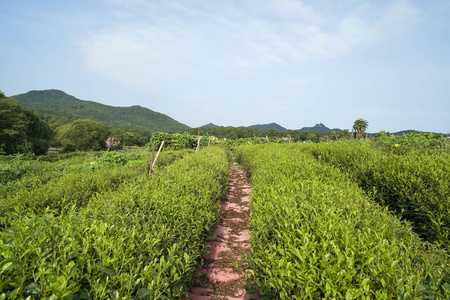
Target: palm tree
[(360, 127), (345, 133)]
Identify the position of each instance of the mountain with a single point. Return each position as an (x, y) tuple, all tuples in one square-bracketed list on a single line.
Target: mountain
[(265, 127), (58, 103), (210, 125), (320, 128)]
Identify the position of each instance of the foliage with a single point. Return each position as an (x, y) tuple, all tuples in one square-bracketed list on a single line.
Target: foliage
[(413, 141), (237, 133), (414, 185), (86, 135), (15, 168), (58, 103), (22, 130), (315, 235), (75, 177), (360, 127), (141, 240), (178, 141), (266, 127), (175, 141)]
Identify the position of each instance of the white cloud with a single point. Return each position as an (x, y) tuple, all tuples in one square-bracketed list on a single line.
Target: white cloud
[(293, 10), (133, 55), (167, 40)]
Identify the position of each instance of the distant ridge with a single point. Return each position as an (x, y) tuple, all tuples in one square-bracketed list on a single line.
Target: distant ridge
[(320, 128), (399, 133), (56, 102), (210, 125), (265, 127)]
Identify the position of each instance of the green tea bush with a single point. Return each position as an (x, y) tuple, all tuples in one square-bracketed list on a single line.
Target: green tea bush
[(415, 185), (315, 235), (15, 167), (413, 141), (72, 188), (140, 241), (76, 179)]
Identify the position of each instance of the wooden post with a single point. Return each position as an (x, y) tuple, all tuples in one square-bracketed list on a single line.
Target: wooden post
[(154, 161), (446, 143), (151, 162), (198, 143)]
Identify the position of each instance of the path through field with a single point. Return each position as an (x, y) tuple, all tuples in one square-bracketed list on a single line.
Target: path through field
[(218, 279)]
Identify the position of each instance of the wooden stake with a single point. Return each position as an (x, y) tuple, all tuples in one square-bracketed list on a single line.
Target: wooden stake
[(157, 154), (446, 144), (151, 162), (198, 143)]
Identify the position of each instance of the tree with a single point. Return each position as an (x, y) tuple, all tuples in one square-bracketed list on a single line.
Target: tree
[(85, 135), (334, 135), (345, 133), (360, 127), (22, 129)]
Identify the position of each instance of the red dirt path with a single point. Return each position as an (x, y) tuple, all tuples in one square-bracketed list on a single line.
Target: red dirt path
[(218, 278)]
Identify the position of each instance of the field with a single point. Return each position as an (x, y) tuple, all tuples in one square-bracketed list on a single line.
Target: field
[(341, 220)]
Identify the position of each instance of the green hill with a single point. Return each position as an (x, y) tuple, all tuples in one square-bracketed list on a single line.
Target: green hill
[(210, 125), (56, 102), (265, 127), (320, 128)]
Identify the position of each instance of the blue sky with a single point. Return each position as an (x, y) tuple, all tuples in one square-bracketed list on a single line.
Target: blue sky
[(239, 63)]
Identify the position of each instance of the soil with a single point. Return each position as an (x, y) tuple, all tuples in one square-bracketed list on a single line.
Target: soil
[(218, 278)]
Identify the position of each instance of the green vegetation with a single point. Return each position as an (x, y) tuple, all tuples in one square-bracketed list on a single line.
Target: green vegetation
[(413, 141), (130, 236), (336, 218), (178, 141), (415, 185), (235, 133), (21, 130), (266, 127), (55, 102), (315, 235), (85, 135), (360, 126)]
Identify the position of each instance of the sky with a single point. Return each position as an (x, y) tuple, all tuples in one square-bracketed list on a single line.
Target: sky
[(239, 63)]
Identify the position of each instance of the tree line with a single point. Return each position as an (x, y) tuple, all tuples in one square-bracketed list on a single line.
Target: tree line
[(23, 130)]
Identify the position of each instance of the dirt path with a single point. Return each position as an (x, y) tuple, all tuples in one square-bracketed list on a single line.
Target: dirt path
[(218, 278)]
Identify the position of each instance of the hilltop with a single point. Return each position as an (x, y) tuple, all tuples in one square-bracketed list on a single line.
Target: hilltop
[(319, 128), (210, 125)]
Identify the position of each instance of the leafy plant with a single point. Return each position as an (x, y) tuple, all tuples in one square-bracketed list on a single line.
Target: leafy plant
[(140, 240), (315, 235), (415, 185)]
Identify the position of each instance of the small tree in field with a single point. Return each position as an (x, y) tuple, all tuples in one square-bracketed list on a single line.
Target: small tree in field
[(360, 127), (87, 135)]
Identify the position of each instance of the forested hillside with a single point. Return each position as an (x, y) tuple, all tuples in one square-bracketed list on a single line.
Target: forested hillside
[(319, 128), (268, 126), (58, 103)]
